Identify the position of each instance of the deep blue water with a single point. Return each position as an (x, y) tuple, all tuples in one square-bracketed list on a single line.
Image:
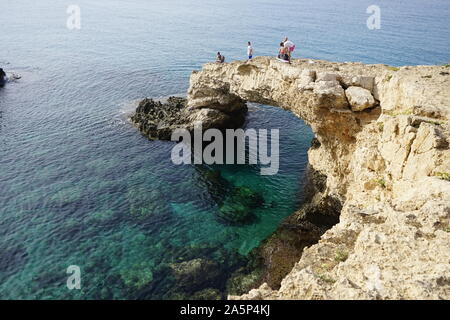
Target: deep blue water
[(73, 171)]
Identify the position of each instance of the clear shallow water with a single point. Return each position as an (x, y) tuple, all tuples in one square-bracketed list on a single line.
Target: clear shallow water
[(73, 171)]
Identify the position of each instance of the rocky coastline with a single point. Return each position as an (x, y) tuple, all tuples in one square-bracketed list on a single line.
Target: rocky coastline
[(376, 223)]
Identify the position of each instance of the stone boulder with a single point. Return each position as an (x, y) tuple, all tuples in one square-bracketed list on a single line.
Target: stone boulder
[(366, 82), (329, 94), (326, 76), (359, 98)]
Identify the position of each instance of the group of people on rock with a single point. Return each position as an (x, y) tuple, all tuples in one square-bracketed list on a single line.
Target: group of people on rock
[(284, 52), (286, 49)]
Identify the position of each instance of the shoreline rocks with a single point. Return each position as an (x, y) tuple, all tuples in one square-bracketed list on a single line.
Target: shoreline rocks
[(6, 77), (158, 120)]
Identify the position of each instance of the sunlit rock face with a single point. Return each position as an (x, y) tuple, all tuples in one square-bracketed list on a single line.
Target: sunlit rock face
[(382, 141)]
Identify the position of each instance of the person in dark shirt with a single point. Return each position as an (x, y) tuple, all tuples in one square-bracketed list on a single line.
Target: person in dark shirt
[(220, 58), (282, 52)]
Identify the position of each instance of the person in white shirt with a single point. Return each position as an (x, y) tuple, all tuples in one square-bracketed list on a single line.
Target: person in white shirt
[(249, 50), (289, 45)]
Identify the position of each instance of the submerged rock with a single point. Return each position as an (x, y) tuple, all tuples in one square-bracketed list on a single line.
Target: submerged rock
[(235, 213), (218, 187), (145, 203), (241, 281), (12, 258), (207, 294), (238, 207), (138, 276), (195, 274)]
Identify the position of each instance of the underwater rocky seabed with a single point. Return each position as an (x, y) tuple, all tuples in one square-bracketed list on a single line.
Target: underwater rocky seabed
[(272, 260), (208, 272), (142, 228)]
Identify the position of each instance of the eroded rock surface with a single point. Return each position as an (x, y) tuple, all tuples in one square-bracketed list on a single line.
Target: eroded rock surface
[(384, 150), (158, 120)]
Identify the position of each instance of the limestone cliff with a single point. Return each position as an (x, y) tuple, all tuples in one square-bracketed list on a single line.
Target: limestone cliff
[(383, 144)]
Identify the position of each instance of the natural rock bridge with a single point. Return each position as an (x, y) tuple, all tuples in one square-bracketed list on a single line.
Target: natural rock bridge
[(336, 99), (383, 145), (380, 165)]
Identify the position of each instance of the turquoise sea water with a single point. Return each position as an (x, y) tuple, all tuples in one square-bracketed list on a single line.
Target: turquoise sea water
[(73, 171)]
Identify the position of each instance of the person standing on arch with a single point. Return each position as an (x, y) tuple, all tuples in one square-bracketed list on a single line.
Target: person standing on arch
[(283, 54), (220, 58), (249, 50), (289, 45)]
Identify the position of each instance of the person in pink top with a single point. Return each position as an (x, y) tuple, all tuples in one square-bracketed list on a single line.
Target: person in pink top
[(289, 45)]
